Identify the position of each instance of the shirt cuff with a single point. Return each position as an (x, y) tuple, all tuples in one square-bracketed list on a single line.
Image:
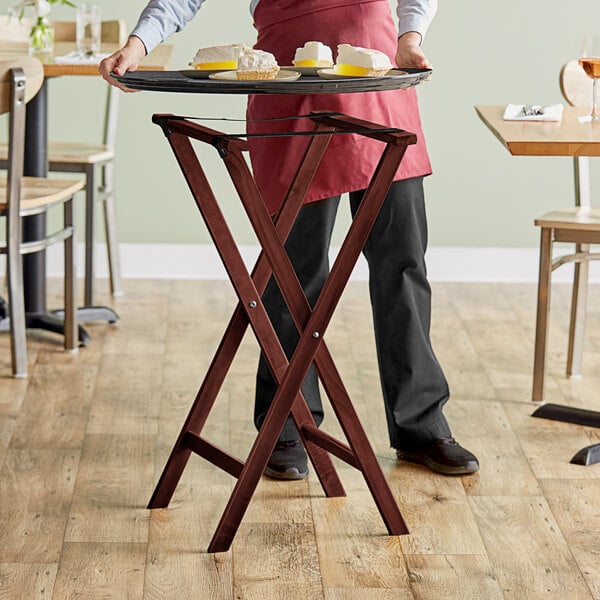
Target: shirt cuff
[(416, 23), (148, 35)]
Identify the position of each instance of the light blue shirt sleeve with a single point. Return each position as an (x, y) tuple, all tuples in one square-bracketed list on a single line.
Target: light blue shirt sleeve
[(162, 18), (415, 15)]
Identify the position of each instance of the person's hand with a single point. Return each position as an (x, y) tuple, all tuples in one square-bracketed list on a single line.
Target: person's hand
[(409, 53), (123, 60)]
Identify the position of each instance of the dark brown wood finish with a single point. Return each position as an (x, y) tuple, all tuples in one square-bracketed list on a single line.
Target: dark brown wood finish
[(311, 324)]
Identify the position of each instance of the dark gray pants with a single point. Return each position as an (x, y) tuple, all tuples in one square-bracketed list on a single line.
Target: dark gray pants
[(414, 386)]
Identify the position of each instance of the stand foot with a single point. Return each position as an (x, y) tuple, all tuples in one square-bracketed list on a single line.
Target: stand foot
[(568, 414), (590, 455)]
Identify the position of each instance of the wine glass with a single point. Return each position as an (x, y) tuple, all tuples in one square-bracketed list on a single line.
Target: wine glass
[(589, 59)]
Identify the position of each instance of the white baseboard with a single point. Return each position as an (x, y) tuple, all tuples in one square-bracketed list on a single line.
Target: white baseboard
[(200, 261)]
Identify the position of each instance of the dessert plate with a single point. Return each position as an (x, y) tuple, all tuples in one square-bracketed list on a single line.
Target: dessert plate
[(331, 74), (283, 75), (304, 70), (202, 73)]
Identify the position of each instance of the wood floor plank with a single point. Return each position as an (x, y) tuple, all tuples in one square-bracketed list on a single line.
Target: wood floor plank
[(55, 409), (469, 577), (288, 557), (504, 469), (355, 550), (7, 426), (12, 392), (178, 565), (135, 372), (531, 557), (437, 511), (368, 594), (280, 502), (130, 412), (36, 488), (466, 377), (574, 504), (100, 570), (114, 483), (27, 580)]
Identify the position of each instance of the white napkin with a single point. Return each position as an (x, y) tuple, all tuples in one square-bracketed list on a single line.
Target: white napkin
[(75, 58), (549, 112)]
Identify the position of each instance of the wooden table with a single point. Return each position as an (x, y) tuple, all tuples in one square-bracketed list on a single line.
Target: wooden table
[(36, 165), (538, 138), (568, 137)]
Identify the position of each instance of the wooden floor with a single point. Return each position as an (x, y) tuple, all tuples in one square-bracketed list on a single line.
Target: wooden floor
[(83, 440)]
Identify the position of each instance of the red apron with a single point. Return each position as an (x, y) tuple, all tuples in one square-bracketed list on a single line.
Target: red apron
[(283, 26)]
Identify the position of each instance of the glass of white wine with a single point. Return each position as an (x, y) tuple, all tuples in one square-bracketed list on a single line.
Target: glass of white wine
[(589, 59)]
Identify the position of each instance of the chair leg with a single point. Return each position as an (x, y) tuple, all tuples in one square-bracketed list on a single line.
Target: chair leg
[(16, 306), (112, 242), (90, 196), (578, 310), (543, 311), (70, 322)]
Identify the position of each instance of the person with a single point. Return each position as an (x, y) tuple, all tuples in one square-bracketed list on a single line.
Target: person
[(414, 387)]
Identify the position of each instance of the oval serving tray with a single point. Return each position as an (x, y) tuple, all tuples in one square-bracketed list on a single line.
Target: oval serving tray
[(175, 81)]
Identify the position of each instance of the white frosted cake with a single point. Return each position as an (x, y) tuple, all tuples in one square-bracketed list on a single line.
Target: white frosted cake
[(256, 64), (217, 57), (313, 54), (361, 62)]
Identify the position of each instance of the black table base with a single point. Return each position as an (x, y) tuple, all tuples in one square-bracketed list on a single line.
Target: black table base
[(48, 322), (568, 414)]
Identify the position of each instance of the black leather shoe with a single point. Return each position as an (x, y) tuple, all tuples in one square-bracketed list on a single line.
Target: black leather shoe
[(288, 461), (444, 456)]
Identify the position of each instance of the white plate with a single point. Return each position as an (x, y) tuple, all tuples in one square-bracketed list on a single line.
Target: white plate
[(232, 76), (331, 74), (202, 73), (305, 70)]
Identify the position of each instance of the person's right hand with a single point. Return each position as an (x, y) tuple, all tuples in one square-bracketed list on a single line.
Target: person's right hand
[(123, 60)]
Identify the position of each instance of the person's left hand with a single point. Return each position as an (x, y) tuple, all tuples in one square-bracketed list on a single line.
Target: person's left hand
[(409, 53)]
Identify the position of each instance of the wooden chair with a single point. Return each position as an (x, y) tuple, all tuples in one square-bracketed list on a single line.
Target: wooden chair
[(20, 79), (88, 158), (580, 226)]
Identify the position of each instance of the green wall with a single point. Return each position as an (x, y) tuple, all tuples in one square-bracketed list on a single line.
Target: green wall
[(483, 52)]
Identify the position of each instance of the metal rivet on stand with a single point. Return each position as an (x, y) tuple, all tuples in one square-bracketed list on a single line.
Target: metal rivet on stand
[(252, 304)]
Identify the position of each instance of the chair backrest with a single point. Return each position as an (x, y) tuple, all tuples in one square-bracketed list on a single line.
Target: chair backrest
[(575, 85), (34, 74), (113, 32), (20, 79)]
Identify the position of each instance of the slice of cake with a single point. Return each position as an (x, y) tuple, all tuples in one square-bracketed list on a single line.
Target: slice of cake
[(361, 62), (217, 57), (313, 54), (256, 64)]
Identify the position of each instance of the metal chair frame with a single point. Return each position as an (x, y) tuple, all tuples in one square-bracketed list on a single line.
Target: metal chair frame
[(15, 248)]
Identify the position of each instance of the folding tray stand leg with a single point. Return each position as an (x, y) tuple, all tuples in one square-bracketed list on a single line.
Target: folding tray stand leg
[(250, 310)]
